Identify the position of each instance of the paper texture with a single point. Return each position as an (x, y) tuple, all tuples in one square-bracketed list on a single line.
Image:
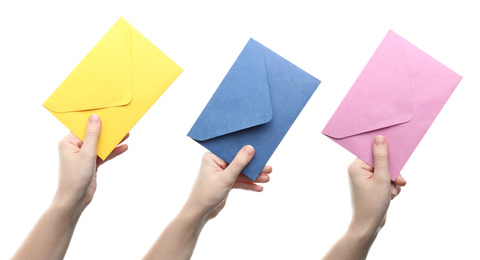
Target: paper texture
[(256, 103), (398, 95), (119, 79)]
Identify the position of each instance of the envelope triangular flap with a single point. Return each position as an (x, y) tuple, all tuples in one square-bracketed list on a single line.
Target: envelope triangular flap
[(380, 97), (102, 79), (241, 101)]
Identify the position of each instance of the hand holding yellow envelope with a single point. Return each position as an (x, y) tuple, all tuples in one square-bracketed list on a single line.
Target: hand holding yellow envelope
[(119, 79)]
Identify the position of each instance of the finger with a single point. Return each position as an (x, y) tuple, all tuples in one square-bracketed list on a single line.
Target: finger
[(221, 163), (247, 186), (359, 164), (125, 138), (262, 178), (399, 189), (91, 134), (69, 141), (243, 177), (400, 181), (380, 156), (393, 191), (267, 170), (116, 152), (366, 167), (244, 156)]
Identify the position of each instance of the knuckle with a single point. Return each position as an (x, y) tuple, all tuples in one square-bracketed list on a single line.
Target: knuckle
[(238, 163), (62, 143), (351, 168), (206, 157), (90, 132), (380, 155), (354, 166)]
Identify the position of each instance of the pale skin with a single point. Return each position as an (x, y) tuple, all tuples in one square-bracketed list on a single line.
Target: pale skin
[(214, 182), (77, 183), (371, 191)]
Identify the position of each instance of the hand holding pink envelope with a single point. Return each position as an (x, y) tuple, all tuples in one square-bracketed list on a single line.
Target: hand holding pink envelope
[(398, 95)]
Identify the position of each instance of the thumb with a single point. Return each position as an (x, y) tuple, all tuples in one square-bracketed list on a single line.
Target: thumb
[(380, 157), (243, 157), (91, 134)]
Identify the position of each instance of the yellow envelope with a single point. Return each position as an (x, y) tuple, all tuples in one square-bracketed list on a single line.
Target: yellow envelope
[(119, 79)]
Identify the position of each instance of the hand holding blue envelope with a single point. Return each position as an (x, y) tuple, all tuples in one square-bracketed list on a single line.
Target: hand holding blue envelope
[(256, 103)]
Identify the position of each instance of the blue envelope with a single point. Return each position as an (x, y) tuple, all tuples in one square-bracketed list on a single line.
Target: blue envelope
[(256, 103)]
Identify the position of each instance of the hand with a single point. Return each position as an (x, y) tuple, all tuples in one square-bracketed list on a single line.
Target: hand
[(79, 163), (51, 235), (216, 178), (214, 181), (372, 189)]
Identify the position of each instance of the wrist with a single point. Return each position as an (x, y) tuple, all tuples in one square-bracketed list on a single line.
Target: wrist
[(363, 233), (193, 213), (66, 205), (190, 220)]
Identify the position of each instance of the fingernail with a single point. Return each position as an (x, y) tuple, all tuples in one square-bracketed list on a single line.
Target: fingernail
[(94, 118), (379, 140), (248, 149)]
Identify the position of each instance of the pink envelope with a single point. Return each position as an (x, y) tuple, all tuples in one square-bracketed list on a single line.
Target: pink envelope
[(399, 93)]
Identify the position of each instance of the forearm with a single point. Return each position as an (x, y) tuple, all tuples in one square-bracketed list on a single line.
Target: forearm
[(51, 235), (353, 245), (179, 238)]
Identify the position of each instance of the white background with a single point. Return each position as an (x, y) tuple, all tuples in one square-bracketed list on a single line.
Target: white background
[(306, 206)]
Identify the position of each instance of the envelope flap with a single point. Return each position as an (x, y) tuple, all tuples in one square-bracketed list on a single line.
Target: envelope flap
[(241, 101), (380, 97), (102, 79)]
